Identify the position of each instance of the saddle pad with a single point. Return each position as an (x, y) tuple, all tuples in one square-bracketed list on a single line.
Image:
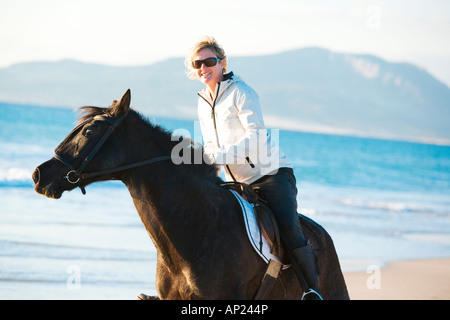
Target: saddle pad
[(258, 241)]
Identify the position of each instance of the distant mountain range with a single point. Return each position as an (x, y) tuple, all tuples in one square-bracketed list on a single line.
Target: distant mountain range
[(310, 89)]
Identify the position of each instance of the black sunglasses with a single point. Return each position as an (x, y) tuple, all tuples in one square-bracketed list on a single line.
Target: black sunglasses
[(209, 62)]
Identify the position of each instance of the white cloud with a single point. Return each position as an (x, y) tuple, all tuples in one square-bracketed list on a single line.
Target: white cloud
[(368, 69)]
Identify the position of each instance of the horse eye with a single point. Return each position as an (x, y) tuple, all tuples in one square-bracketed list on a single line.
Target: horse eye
[(87, 133)]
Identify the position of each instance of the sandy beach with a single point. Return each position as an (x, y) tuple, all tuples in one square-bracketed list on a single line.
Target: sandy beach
[(402, 280)]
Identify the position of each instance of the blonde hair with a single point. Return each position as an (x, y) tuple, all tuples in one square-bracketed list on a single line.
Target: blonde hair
[(206, 42)]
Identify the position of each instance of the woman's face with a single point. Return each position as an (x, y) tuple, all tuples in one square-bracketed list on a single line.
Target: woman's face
[(209, 75)]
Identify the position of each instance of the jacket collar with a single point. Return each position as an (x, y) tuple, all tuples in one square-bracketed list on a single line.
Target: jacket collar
[(228, 76), (228, 79)]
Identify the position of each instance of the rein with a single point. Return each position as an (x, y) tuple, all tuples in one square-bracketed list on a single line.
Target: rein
[(75, 176)]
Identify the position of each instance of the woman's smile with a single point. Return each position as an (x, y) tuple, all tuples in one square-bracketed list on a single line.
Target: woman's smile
[(205, 75)]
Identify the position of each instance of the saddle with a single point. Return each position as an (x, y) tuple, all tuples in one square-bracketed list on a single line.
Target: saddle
[(265, 219)]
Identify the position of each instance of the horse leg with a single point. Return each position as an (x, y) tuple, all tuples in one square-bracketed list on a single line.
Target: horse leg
[(165, 285), (143, 296)]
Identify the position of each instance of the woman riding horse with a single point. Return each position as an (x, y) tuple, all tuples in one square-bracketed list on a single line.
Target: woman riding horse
[(233, 131)]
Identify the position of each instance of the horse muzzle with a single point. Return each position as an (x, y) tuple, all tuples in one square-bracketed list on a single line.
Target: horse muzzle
[(45, 182), (36, 176)]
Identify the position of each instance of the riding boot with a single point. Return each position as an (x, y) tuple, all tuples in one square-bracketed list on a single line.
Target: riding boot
[(304, 262)]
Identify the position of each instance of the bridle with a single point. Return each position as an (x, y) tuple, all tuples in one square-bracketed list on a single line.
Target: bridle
[(75, 176)]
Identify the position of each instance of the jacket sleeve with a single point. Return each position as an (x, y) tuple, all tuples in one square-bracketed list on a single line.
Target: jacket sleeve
[(245, 150)]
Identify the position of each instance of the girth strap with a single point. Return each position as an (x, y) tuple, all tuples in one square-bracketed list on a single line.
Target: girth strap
[(268, 281)]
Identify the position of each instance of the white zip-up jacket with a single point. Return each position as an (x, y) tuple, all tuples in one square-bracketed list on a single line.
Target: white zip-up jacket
[(234, 134)]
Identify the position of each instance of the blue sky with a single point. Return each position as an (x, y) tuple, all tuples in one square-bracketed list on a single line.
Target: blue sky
[(137, 32)]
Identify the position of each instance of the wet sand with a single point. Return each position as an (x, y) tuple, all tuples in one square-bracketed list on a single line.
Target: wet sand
[(402, 280)]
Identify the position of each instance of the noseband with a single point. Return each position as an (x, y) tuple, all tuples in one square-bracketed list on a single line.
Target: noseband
[(75, 176)]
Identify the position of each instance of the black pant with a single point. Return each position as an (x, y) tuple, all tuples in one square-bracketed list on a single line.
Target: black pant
[(280, 191)]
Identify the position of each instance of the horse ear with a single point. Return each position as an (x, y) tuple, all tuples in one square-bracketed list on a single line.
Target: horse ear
[(119, 108)]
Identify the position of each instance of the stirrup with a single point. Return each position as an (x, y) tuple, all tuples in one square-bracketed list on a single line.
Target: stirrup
[(311, 291)]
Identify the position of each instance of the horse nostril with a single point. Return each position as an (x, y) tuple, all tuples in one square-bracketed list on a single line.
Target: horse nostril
[(35, 176)]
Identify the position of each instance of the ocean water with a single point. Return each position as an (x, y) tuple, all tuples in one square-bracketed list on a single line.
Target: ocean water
[(380, 201)]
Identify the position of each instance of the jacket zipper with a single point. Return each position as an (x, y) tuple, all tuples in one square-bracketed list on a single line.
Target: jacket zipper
[(213, 114), (213, 117)]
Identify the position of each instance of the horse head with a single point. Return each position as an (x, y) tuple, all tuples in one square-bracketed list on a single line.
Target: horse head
[(88, 148)]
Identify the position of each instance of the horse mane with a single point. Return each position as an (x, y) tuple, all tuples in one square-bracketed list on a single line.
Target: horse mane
[(88, 112), (161, 136)]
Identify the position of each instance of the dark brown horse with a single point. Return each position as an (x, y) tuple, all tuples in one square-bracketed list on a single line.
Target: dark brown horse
[(195, 224)]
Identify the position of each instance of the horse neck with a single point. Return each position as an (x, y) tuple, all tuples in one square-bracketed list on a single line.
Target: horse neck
[(174, 202)]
